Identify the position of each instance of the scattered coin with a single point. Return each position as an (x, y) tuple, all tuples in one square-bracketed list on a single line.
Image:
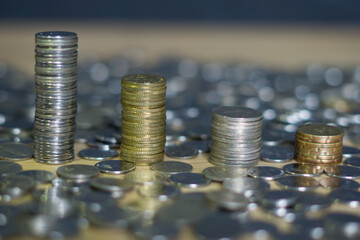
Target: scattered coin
[(8, 167), (277, 154), (341, 183), (182, 152), (280, 198), (349, 152), (171, 167), (157, 230), (39, 176), (353, 161), (77, 171), (272, 137), (113, 185), (202, 146), (14, 186), (341, 226), (191, 180), (160, 192), (265, 172), (15, 151), (259, 228), (219, 173), (343, 171), (115, 166), (313, 201), (303, 169), (146, 177), (228, 200), (97, 154), (299, 183), (346, 196)]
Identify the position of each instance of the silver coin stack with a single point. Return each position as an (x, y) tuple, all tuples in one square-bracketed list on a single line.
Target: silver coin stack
[(56, 106), (235, 136)]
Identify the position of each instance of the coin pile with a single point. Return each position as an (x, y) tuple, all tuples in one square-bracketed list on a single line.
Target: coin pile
[(143, 118), (319, 144), (235, 136), (55, 78)]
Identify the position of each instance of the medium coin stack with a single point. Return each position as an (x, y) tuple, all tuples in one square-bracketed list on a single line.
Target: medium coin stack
[(319, 144), (235, 136), (143, 118), (55, 79)]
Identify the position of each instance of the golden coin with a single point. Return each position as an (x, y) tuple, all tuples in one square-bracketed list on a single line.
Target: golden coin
[(320, 130), (324, 145)]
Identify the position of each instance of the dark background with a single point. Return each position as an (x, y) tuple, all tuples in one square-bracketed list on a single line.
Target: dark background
[(320, 11)]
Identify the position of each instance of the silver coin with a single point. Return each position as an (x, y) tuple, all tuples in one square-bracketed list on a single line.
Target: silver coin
[(349, 197), (51, 192), (353, 161), (77, 171), (97, 154), (219, 173), (171, 167), (277, 154), (341, 183), (279, 198), (39, 176), (302, 169), (14, 186), (182, 152), (265, 172), (160, 192), (15, 151), (313, 201), (298, 183), (106, 135), (191, 180), (228, 200), (313, 228), (57, 207), (343, 171), (113, 185), (115, 166), (349, 151), (202, 146), (8, 167), (91, 198), (237, 113)]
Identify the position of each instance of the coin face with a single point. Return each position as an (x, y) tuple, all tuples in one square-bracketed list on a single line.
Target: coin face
[(115, 166), (320, 130), (15, 151), (237, 112), (8, 167), (171, 167), (77, 171), (182, 152), (277, 154), (191, 180)]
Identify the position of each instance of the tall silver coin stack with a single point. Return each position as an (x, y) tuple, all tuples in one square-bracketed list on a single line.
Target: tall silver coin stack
[(55, 85), (235, 136)]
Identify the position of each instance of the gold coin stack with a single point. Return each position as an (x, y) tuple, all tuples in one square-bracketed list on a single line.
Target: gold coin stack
[(319, 144), (143, 118)]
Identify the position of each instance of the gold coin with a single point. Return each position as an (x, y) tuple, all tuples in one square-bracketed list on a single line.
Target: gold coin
[(324, 145), (146, 177), (317, 157), (144, 79)]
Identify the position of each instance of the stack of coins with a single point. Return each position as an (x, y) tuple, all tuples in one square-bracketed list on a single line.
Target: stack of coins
[(55, 78), (319, 144), (143, 118), (235, 136)]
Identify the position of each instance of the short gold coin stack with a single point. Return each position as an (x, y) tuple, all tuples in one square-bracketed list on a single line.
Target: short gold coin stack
[(319, 144), (143, 118)]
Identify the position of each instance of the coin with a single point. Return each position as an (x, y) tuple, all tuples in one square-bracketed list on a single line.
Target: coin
[(313, 201), (202, 146), (160, 192), (97, 154), (8, 168), (14, 186), (353, 161), (265, 172), (112, 185), (299, 183), (171, 167), (280, 198), (115, 166), (343, 171), (342, 183), (277, 154), (220, 173), (39, 176), (349, 151), (229, 200), (15, 151), (303, 169), (144, 177), (182, 152), (349, 197), (191, 180), (77, 171)]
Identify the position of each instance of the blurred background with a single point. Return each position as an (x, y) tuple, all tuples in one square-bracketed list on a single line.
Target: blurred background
[(279, 34)]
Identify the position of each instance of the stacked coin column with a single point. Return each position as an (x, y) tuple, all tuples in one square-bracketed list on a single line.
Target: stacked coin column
[(319, 144), (55, 84), (235, 136), (143, 118)]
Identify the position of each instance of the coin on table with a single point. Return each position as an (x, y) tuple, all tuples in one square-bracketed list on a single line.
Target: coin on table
[(146, 177), (202, 146), (265, 172), (160, 192), (182, 152), (353, 161), (303, 169), (39, 176), (349, 197), (341, 183), (171, 167), (8, 167), (15, 151), (14, 186), (245, 184), (298, 183), (313, 201), (219, 173), (226, 199), (191, 180), (115, 166), (280, 198), (349, 151), (113, 185), (341, 226), (343, 171), (77, 171), (277, 154), (97, 154)]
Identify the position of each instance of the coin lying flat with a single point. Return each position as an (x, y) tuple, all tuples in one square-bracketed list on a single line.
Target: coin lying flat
[(349, 151), (341, 226), (349, 197), (171, 167), (8, 167), (202, 146), (280, 198), (353, 161), (219, 173), (341, 183), (162, 230), (229, 200), (97, 154), (160, 192), (277, 154), (303, 169), (14, 186), (313, 201), (299, 183), (343, 171), (39, 176), (77, 171), (182, 152), (265, 172), (146, 177), (191, 180), (115, 166), (113, 185), (15, 151)]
